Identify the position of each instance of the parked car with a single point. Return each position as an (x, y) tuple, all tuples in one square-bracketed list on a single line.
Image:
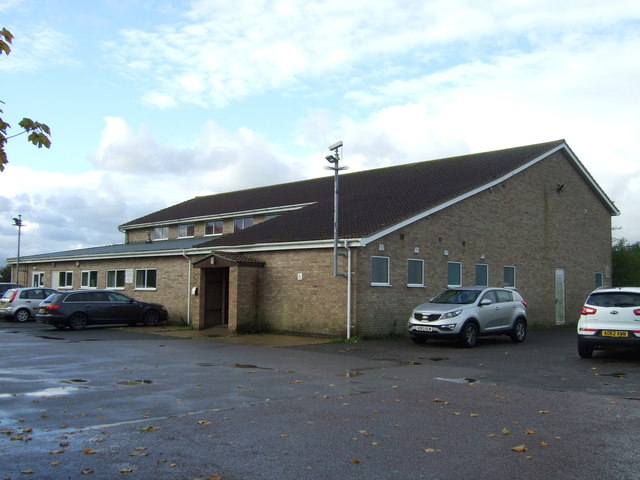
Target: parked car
[(4, 286), (465, 313), (21, 304), (610, 317), (78, 308)]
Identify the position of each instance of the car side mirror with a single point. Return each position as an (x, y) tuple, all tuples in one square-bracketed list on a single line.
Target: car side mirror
[(485, 301)]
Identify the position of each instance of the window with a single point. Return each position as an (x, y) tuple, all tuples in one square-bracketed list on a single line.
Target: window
[(89, 279), (161, 233), (146, 279), (115, 278), (379, 271), (415, 273), (599, 280), (482, 275), (186, 230), (271, 216), (510, 277), (37, 279), (242, 223), (213, 227), (65, 279), (504, 296), (454, 274)]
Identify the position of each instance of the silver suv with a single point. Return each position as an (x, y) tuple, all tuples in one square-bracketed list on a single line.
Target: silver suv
[(21, 304), (465, 313), (609, 318)]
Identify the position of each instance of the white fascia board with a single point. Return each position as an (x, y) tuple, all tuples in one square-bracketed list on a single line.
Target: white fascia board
[(366, 240), (221, 216), (605, 198), (112, 256), (265, 247)]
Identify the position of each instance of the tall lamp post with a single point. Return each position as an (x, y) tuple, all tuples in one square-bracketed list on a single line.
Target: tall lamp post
[(17, 221), (334, 160)]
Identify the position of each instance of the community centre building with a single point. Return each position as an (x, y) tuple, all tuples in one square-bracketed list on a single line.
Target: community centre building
[(262, 259)]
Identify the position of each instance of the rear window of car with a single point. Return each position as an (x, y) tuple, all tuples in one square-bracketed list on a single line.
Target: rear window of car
[(614, 299)]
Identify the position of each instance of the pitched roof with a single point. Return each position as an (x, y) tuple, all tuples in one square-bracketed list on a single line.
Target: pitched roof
[(374, 200)]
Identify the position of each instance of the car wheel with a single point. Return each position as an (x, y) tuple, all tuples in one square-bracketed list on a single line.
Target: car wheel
[(77, 321), (418, 340), (584, 350), (519, 332), (469, 335), (22, 315), (151, 318)]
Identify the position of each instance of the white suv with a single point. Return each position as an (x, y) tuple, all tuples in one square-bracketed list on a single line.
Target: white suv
[(609, 318)]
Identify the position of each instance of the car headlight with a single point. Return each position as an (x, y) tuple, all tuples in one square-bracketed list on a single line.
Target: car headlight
[(451, 314)]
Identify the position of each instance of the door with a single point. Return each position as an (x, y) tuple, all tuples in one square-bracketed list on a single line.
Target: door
[(560, 297), (216, 295)]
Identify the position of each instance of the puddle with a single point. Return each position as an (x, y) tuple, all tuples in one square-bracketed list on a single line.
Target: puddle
[(206, 364), (74, 380), (615, 374), (46, 337), (248, 365), (458, 380), (134, 382)]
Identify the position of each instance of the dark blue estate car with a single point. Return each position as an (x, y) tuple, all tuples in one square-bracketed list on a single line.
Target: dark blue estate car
[(78, 308)]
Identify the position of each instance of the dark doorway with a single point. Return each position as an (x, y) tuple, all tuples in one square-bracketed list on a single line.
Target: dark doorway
[(216, 312)]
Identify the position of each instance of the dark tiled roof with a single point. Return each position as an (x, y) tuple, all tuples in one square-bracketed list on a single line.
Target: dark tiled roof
[(373, 200), (369, 202), (121, 248)]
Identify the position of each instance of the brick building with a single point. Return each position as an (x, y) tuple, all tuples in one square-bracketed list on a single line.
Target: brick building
[(530, 218)]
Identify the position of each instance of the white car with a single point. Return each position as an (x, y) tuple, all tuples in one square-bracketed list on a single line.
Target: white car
[(609, 318)]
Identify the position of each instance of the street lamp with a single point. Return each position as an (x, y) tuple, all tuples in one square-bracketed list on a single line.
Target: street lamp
[(17, 221), (334, 160)]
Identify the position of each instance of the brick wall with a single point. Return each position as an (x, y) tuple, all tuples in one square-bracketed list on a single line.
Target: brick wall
[(524, 222), (172, 280)]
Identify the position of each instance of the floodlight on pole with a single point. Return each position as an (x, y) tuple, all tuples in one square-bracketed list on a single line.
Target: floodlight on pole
[(334, 160), (17, 222)]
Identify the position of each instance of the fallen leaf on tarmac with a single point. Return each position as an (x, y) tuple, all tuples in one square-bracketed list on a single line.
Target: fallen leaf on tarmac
[(492, 434), (297, 381), (528, 431), (543, 411), (6, 431), (204, 422), (26, 429), (544, 444), (355, 460), (519, 448), (455, 413), (375, 444), (89, 451), (126, 470), (86, 471), (53, 452), (54, 464), (148, 428), (284, 435), (437, 400), (432, 450), (474, 415), (27, 472), (505, 431)]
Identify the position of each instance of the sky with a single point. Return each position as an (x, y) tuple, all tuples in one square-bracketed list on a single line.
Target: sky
[(153, 102)]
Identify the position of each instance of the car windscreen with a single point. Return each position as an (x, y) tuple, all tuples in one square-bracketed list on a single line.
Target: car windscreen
[(614, 299), (457, 296)]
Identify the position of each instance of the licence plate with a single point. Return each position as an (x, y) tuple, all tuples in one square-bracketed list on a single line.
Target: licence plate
[(42, 310), (614, 333), (421, 328)]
